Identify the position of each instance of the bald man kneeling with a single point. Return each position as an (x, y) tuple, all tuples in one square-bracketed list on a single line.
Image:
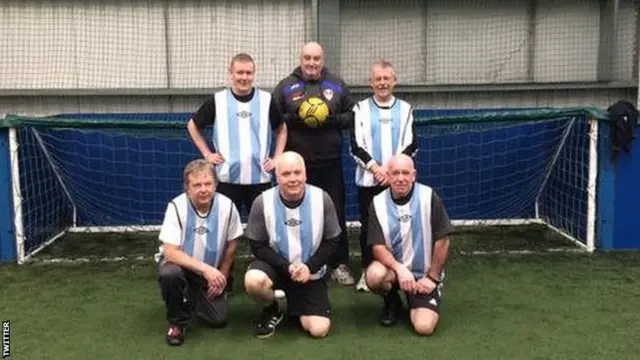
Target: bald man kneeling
[(409, 231), (293, 231)]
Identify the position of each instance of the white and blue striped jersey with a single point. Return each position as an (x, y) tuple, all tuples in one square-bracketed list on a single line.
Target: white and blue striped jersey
[(201, 236), (407, 229), (295, 233), (380, 133), (242, 134)]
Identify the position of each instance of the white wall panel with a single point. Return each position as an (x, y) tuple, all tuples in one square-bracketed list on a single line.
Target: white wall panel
[(393, 30), (204, 36), (566, 40), (472, 41), (92, 44)]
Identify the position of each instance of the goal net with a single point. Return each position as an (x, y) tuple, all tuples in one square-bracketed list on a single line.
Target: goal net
[(116, 173)]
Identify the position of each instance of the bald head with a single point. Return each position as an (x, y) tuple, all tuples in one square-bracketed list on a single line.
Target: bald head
[(289, 158), (291, 175), (311, 60), (401, 175), (311, 47), (401, 161)]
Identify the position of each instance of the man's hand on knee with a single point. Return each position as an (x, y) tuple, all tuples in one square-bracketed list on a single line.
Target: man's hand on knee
[(425, 286), (214, 291), (405, 279), (215, 278)]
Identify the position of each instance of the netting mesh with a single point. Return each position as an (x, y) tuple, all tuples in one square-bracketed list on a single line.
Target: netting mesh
[(145, 44), (161, 44)]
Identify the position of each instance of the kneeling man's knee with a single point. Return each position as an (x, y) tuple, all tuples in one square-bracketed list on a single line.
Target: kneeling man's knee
[(376, 274), (424, 329), (256, 281), (424, 321), (316, 326)]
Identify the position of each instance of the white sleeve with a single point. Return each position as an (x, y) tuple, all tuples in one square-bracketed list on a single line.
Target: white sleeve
[(235, 224), (408, 136), (358, 140), (171, 232)]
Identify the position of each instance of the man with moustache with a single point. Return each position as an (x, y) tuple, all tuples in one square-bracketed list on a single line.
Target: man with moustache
[(293, 230), (320, 147), (383, 127), (409, 230), (199, 240), (244, 120)]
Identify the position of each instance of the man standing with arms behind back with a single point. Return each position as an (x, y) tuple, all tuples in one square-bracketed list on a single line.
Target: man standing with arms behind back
[(320, 147), (243, 119)]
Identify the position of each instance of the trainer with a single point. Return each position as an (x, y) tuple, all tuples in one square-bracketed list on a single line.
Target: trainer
[(198, 236), (409, 230), (293, 230), (383, 127), (321, 147), (244, 119)]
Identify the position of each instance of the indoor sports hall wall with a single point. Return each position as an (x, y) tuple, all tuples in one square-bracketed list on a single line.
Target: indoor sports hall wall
[(147, 56)]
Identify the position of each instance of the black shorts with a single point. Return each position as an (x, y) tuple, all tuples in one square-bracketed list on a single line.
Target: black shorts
[(311, 298), (242, 196), (430, 301)]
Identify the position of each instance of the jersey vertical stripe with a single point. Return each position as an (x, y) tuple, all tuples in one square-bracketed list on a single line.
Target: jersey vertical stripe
[(376, 137), (211, 249), (252, 169), (188, 244), (417, 236), (407, 228), (295, 233), (382, 132), (396, 115), (242, 134)]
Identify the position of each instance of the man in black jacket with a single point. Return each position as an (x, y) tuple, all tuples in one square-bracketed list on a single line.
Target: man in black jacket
[(293, 230), (320, 147)]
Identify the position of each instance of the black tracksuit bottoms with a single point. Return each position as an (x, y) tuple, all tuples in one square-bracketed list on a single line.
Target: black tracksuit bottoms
[(330, 178)]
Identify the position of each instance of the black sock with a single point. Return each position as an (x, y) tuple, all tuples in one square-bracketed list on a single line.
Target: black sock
[(391, 298), (273, 307)]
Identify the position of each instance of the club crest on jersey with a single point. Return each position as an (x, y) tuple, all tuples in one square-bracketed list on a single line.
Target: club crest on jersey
[(385, 120), (328, 94), (297, 96), (243, 114), (292, 222), (201, 230), (404, 218)]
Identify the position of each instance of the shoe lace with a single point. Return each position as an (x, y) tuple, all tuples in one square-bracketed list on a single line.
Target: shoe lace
[(268, 319)]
